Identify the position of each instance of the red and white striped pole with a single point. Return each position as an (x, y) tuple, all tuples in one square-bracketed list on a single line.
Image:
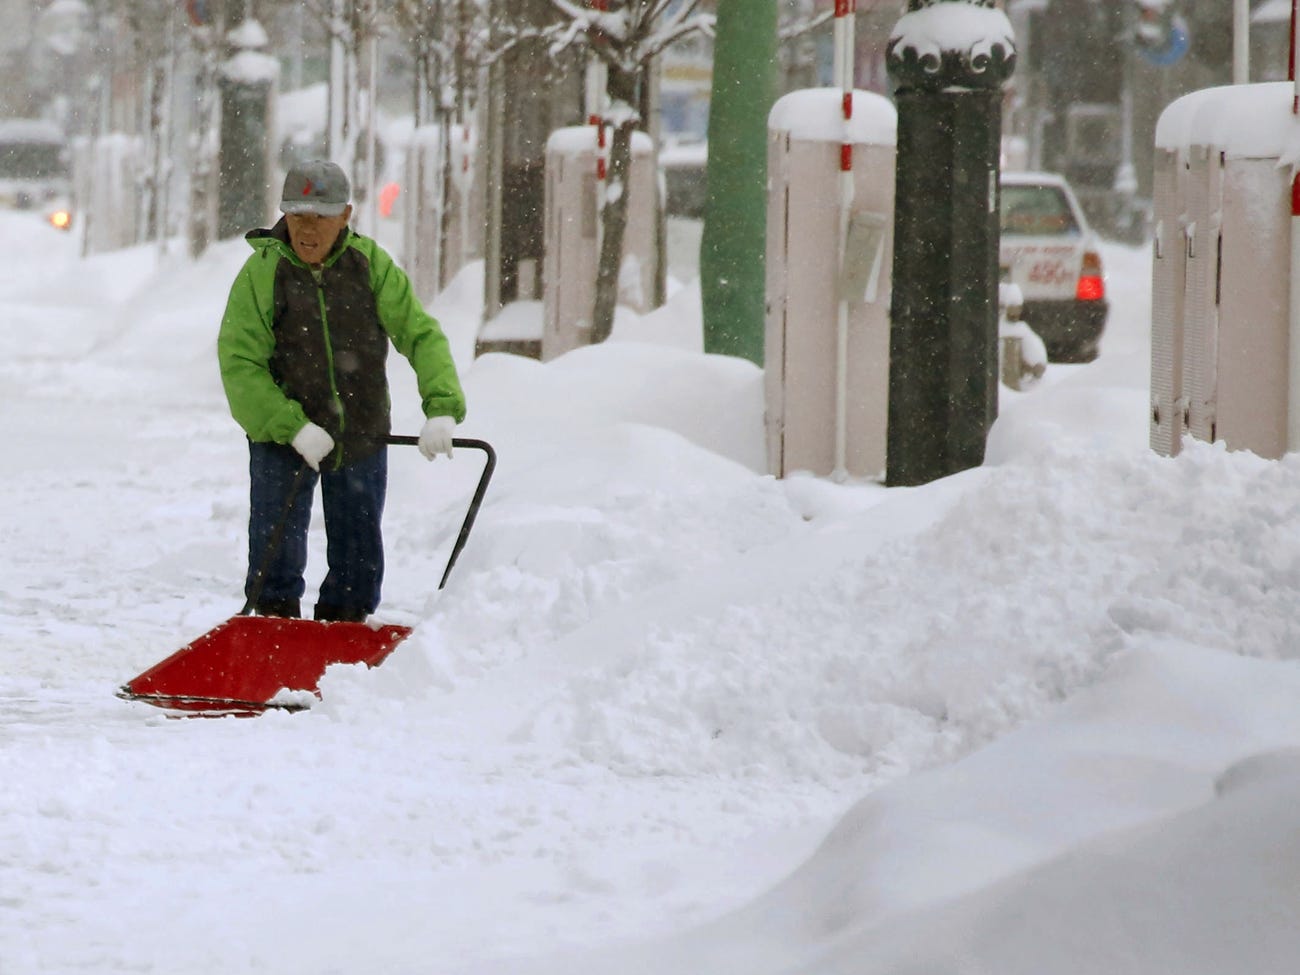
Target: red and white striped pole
[(845, 11), (1293, 331), (597, 83)]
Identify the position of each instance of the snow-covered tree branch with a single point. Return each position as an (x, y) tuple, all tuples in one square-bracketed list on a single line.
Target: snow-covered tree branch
[(627, 39), (635, 33)]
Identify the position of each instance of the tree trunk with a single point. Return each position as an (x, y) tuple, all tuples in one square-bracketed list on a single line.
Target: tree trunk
[(155, 179), (613, 225), (203, 189)]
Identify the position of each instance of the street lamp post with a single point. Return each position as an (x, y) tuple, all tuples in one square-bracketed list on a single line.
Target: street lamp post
[(949, 60), (248, 81)]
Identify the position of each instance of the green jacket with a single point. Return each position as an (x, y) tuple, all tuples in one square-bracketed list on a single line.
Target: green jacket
[(299, 344)]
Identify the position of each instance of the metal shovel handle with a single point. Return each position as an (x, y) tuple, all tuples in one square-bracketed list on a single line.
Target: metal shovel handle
[(489, 466)]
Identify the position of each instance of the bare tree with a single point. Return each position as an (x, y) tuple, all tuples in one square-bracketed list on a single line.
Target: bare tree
[(448, 43), (351, 26), (799, 17), (798, 21), (627, 38)]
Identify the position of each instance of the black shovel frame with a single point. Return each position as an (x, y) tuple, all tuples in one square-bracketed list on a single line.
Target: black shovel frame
[(463, 443)]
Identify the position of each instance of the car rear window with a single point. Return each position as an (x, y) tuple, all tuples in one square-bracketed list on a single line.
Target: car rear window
[(31, 160), (1036, 211)]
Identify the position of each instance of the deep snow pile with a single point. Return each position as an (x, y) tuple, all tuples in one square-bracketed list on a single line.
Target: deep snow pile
[(670, 714)]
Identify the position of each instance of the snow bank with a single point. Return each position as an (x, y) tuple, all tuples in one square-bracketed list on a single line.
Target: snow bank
[(670, 714)]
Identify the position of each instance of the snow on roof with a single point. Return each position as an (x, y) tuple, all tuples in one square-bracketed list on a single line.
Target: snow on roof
[(815, 115), (1244, 121)]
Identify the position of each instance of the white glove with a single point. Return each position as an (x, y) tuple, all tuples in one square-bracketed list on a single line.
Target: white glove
[(435, 437), (314, 443)]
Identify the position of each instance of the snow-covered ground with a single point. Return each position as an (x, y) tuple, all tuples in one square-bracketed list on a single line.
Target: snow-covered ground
[(670, 715)]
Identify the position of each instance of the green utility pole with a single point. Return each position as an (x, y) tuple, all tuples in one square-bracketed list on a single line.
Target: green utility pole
[(735, 213)]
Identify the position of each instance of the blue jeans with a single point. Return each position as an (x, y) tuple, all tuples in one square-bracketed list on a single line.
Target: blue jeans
[(354, 506)]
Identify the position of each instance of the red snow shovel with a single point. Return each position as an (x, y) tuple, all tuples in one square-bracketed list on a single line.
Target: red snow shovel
[(250, 664)]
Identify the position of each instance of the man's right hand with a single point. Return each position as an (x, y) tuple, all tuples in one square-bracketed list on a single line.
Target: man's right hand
[(436, 436), (314, 443)]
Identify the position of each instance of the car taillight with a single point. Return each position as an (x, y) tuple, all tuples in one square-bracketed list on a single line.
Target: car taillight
[(1091, 286), (61, 219)]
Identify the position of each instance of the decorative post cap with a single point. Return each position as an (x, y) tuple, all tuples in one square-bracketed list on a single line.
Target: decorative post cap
[(941, 44), (248, 62), (248, 35)]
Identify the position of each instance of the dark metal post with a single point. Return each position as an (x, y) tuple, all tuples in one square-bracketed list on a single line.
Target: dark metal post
[(943, 377), (248, 82)]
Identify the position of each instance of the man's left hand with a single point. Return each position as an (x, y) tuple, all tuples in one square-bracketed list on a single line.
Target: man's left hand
[(436, 436)]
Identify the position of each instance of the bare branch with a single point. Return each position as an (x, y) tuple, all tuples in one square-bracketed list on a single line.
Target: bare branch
[(632, 37), (800, 27)]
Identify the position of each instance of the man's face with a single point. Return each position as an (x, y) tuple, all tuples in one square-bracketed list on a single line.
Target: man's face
[(312, 235)]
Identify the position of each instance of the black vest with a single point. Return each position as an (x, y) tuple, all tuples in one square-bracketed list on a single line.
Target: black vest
[(330, 349)]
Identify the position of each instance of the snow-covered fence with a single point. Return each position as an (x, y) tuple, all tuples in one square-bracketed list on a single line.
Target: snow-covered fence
[(806, 358), (107, 189), (1221, 280)]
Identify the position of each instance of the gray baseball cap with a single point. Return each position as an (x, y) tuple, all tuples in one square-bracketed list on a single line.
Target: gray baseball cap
[(315, 186)]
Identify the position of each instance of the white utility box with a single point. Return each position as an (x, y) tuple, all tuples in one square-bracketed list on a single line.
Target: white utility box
[(1221, 260), (428, 187), (804, 284), (573, 234)]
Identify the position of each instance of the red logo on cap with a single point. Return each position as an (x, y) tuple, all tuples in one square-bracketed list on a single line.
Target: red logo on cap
[(306, 190)]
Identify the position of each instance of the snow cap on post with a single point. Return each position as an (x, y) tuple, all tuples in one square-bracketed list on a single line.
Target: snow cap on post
[(941, 44)]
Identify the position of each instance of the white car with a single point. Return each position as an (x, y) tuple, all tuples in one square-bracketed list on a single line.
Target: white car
[(1051, 254), (34, 164)]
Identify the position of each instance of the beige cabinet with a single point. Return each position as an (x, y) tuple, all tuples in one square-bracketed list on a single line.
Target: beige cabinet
[(805, 283), (1221, 270), (572, 236)]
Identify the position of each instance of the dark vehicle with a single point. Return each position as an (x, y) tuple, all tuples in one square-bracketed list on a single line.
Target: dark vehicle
[(1051, 253), (34, 165)]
